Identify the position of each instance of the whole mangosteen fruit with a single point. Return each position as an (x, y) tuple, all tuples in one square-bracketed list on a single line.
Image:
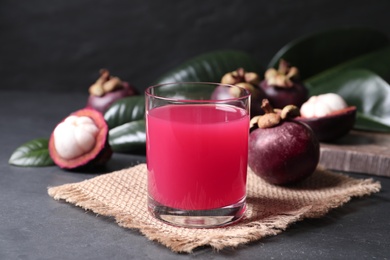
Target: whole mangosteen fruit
[(282, 151), (283, 86), (247, 80), (106, 90)]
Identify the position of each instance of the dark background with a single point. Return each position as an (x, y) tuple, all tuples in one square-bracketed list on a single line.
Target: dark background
[(53, 49), (60, 45)]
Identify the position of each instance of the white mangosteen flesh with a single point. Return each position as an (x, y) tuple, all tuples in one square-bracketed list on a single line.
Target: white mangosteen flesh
[(322, 105), (75, 136)]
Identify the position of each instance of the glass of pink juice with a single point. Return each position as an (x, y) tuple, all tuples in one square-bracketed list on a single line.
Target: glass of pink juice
[(197, 152)]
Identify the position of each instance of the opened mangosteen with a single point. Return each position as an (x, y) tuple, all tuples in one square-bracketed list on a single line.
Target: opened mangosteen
[(283, 86), (80, 141), (282, 151), (328, 115), (106, 90), (247, 80)]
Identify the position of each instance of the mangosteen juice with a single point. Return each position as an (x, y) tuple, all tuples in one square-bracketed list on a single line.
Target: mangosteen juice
[(202, 155), (197, 163)]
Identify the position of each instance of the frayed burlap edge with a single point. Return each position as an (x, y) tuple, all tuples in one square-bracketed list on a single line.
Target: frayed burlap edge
[(232, 237)]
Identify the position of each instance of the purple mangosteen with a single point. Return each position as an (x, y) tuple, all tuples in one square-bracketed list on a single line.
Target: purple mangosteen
[(283, 87), (106, 90), (282, 151), (247, 80)]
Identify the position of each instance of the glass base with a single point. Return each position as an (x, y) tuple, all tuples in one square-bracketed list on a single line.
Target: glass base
[(198, 218)]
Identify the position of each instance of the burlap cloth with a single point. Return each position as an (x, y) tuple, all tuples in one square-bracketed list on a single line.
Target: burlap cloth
[(270, 209)]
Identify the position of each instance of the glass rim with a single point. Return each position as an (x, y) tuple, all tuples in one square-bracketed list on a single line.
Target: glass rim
[(170, 99)]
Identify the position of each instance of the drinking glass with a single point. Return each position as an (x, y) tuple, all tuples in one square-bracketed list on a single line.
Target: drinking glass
[(197, 152)]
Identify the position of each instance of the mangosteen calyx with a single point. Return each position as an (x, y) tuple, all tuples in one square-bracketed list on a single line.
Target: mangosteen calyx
[(240, 75), (273, 117), (105, 84), (241, 78), (283, 77)]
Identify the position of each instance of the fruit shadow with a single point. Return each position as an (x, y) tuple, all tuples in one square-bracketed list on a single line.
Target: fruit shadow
[(321, 179), (353, 138), (117, 162), (300, 196), (267, 210)]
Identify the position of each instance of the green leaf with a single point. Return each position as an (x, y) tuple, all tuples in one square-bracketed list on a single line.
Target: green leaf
[(210, 67), (129, 137), (32, 153), (317, 52), (361, 88), (367, 123), (126, 121), (377, 62), (125, 110)]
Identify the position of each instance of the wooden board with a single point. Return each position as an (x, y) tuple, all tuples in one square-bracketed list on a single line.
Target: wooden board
[(361, 152)]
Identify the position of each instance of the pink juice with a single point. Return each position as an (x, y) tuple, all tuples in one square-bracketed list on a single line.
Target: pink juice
[(197, 155)]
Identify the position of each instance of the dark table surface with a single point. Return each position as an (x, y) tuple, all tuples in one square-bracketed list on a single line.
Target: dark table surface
[(34, 226)]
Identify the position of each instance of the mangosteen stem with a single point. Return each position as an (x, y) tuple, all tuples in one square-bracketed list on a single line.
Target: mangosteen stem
[(266, 106), (238, 75), (241, 73), (283, 67), (104, 75)]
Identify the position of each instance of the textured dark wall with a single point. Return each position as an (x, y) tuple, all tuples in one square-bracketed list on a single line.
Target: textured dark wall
[(60, 45)]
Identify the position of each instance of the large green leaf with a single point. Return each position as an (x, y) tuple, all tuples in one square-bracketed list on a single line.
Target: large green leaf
[(377, 62), (129, 137), (317, 52), (368, 123), (125, 110), (32, 153), (126, 121), (361, 88), (210, 67)]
